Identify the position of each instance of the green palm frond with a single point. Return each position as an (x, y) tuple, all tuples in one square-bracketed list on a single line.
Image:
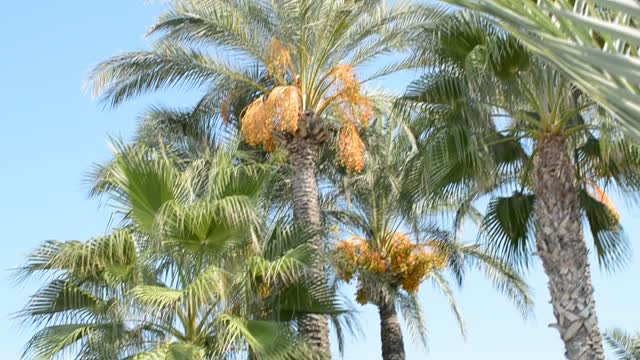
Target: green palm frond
[(219, 24), (441, 283), (158, 298), (191, 130), (611, 244), (502, 276), (300, 298), (171, 351), (566, 33), (64, 301), (612, 158), (61, 340), (115, 253), (141, 182), (478, 114), (624, 345), (507, 227), (204, 226), (413, 317), (286, 269), (130, 74), (200, 256), (270, 340)]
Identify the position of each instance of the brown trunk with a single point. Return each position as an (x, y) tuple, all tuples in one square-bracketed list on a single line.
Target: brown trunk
[(561, 246), (303, 154), (390, 332)]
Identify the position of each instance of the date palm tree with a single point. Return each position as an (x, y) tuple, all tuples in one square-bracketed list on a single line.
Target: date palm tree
[(392, 251), (624, 345), (595, 43), (295, 60), (497, 120), (195, 271)]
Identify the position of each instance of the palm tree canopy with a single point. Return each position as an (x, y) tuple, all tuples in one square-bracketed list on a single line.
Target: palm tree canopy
[(196, 269), (595, 43), (479, 112), (283, 56), (392, 247)]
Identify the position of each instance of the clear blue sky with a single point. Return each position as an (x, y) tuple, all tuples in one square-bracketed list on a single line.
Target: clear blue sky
[(52, 132)]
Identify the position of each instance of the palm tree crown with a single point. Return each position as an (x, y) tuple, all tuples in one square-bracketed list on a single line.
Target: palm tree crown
[(394, 246), (194, 272), (287, 56), (500, 120), (595, 43), (483, 110)]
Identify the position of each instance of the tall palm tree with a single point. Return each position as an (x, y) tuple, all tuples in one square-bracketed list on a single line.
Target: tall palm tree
[(392, 251), (595, 43), (498, 120), (625, 346), (297, 62), (195, 271)]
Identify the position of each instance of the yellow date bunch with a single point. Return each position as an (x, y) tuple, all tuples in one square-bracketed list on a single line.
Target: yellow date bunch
[(356, 112), (280, 109), (400, 262)]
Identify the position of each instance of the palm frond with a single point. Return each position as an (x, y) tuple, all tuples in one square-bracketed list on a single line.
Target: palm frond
[(565, 34), (624, 345), (130, 74), (414, 318), (507, 228), (611, 244), (444, 286)]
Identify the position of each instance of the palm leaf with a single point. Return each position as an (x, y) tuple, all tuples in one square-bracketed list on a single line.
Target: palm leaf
[(625, 346), (611, 244), (507, 227), (562, 33)]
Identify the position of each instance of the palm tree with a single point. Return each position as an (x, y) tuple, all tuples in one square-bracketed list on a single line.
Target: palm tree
[(625, 346), (496, 120), (194, 272), (594, 43), (296, 60), (388, 266)]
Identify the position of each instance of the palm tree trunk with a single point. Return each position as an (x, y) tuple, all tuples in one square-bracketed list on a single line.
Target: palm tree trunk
[(562, 248), (390, 332), (303, 155)]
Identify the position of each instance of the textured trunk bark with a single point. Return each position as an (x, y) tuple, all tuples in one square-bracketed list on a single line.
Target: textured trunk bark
[(390, 332), (561, 246), (303, 154)]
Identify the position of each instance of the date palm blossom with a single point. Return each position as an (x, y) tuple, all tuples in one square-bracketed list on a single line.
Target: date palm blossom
[(496, 122), (297, 61), (194, 271), (392, 251)]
